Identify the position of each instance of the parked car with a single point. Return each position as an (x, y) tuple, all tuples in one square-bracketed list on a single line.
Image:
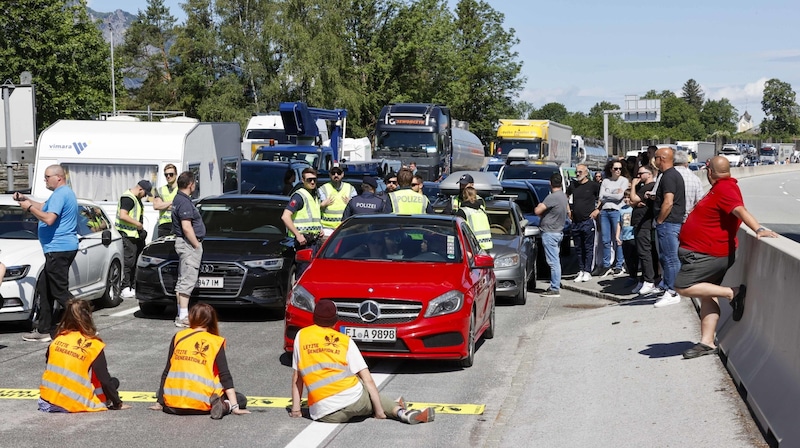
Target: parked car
[(493, 166), (95, 274), (404, 286), (265, 177), (248, 259), (514, 250)]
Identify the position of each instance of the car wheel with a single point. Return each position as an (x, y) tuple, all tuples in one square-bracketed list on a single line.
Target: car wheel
[(522, 296), (489, 333), (152, 309), (470, 359), (112, 298)]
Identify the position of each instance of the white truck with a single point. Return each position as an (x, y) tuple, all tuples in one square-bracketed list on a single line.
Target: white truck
[(103, 159), (733, 154), (700, 151), (267, 130)]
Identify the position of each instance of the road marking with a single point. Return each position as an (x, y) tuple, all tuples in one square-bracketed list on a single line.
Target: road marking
[(785, 192), (260, 402), (125, 312)]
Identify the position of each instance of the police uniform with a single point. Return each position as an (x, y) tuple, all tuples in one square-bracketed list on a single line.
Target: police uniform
[(406, 201), (479, 223), (165, 216), (133, 244), (333, 214), (306, 214), (365, 203)]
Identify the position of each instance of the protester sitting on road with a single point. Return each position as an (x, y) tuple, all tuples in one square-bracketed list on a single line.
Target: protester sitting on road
[(707, 249), (340, 386), (196, 379), (76, 367)]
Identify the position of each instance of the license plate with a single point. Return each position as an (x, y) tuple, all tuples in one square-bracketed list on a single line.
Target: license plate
[(371, 334), (210, 282)]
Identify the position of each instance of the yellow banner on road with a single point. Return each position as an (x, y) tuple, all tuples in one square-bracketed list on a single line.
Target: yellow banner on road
[(253, 402)]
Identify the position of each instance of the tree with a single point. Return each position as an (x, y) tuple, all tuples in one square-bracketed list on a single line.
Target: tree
[(779, 105), (64, 50), (718, 116), (196, 52), (693, 94), (551, 111)]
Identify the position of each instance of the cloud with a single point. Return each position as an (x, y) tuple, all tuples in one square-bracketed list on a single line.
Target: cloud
[(781, 55)]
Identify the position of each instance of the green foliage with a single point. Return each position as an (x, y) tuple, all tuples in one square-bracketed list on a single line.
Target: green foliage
[(779, 105), (693, 94), (65, 52), (719, 116), (551, 111)]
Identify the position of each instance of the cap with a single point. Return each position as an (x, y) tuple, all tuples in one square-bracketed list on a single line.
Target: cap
[(466, 179), (325, 313), (336, 170), (369, 180), (146, 186)]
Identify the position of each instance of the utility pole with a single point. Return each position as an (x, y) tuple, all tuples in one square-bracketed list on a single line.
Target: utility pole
[(113, 78), (8, 87)]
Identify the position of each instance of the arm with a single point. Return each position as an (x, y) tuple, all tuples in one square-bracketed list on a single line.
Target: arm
[(188, 233), (374, 397), (618, 231), (124, 216), (160, 204), (100, 369), (297, 394), (540, 209), (35, 209), (666, 207), (225, 378), (750, 221), (286, 217)]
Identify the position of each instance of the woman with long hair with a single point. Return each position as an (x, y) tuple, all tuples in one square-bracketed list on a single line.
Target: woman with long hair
[(612, 190), (196, 379), (77, 368)]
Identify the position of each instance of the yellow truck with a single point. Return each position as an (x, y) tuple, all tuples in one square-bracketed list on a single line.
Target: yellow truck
[(544, 140)]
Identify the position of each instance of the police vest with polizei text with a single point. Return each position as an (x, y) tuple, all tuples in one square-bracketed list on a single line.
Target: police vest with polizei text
[(135, 213), (323, 362), (66, 381), (408, 202), (165, 216), (332, 215), (307, 219), (479, 223), (191, 379)]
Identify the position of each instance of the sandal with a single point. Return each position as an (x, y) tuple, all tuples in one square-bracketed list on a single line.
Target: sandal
[(700, 349)]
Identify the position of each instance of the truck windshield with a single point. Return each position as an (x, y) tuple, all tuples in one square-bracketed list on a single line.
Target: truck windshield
[(767, 152), (505, 146), (279, 135), (406, 141)]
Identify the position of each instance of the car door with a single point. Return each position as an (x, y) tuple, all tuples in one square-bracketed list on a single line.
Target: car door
[(92, 254), (479, 277), (528, 242)]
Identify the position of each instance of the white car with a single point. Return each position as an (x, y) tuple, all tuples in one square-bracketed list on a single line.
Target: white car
[(96, 273)]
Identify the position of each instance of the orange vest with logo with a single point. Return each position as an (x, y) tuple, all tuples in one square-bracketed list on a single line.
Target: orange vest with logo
[(323, 362), (193, 378), (68, 380)]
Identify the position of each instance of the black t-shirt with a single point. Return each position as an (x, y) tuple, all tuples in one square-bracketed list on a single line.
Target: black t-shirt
[(642, 217), (672, 182), (584, 199), (127, 204)]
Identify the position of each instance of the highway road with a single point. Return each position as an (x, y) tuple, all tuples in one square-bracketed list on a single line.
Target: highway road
[(775, 201)]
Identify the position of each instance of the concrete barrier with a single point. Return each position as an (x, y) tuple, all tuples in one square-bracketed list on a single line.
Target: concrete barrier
[(762, 351)]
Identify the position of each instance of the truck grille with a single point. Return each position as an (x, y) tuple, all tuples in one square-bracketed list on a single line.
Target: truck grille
[(390, 312), (233, 275)]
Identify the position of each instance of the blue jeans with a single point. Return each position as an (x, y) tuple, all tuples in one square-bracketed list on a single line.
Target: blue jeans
[(552, 247), (609, 219), (583, 239), (667, 234)]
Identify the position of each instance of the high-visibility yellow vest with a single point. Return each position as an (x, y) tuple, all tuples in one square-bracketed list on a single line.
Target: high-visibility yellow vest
[(332, 215), (456, 203), (135, 213), (406, 202), (68, 381), (307, 220), (165, 216), (479, 223), (323, 362), (192, 380)]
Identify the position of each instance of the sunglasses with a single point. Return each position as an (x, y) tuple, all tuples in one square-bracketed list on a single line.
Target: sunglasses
[(392, 182), (336, 174), (616, 168), (169, 174), (310, 179)]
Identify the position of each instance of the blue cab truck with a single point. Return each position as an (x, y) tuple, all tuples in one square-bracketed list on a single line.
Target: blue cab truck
[(427, 135)]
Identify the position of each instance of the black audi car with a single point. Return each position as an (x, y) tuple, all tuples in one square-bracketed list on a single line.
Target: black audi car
[(248, 259)]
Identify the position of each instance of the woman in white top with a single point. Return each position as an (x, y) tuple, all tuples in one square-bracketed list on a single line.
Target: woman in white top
[(612, 191)]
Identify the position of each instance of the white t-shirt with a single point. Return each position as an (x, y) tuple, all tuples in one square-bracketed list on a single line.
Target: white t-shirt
[(355, 363)]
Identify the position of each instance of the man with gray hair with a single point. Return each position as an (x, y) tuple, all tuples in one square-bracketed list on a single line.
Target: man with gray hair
[(694, 189)]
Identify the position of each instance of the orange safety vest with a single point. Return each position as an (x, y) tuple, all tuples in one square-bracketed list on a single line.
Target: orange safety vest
[(68, 380), (323, 362), (193, 378)]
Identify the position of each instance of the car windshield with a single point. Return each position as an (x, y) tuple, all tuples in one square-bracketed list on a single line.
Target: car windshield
[(276, 155), (263, 178), (528, 172), (16, 224), (390, 241), (250, 220)]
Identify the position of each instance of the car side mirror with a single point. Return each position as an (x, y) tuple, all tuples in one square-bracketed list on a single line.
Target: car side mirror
[(532, 231), (106, 237), (483, 261), (304, 256)]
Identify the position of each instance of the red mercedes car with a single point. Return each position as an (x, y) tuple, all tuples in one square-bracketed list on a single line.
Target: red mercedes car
[(404, 287)]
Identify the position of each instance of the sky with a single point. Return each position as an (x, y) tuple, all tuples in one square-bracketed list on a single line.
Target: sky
[(581, 52)]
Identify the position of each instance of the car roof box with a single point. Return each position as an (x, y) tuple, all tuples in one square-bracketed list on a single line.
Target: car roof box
[(486, 183)]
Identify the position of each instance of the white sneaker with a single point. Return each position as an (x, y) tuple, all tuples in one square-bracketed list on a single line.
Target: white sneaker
[(128, 293), (637, 288), (669, 298), (579, 277), (646, 288), (587, 276)]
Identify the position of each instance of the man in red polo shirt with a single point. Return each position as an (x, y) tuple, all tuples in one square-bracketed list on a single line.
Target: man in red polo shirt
[(707, 249)]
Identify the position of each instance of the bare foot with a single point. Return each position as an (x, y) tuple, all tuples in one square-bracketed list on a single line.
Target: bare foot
[(155, 407)]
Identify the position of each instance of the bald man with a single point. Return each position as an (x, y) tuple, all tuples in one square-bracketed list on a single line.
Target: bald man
[(707, 249), (669, 208)]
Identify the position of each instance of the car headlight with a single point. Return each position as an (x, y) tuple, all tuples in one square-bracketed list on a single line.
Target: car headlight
[(271, 264), (16, 272), (506, 261), (147, 261), (300, 297), (449, 302)]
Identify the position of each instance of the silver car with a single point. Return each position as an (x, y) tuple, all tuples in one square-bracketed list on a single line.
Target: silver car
[(96, 273), (514, 250)]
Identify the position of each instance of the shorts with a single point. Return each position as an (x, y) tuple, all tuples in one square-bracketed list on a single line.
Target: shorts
[(189, 266), (701, 268)]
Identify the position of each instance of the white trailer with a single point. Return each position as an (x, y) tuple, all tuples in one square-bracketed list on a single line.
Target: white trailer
[(700, 151), (103, 159)]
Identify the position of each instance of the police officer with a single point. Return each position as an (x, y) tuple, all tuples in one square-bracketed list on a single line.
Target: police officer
[(162, 201), (367, 202), (464, 181), (130, 219), (470, 210), (405, 201), (302, 215), (334, 197)]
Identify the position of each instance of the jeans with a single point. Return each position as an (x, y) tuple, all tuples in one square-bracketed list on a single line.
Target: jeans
[(583, 239), (667, 234), (609, 219), (552, 248)]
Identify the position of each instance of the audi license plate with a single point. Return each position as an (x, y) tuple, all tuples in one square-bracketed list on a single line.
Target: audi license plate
[(210, 282), (371, 334)]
